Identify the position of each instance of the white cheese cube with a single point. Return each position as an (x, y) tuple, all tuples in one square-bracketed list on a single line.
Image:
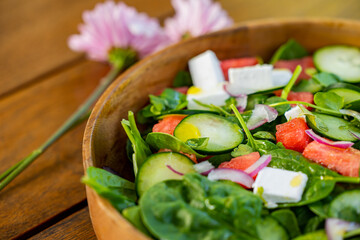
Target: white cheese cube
[(280, 186), (294, 112), (215, 96), (257, 77), (280, 77), (205, 70)]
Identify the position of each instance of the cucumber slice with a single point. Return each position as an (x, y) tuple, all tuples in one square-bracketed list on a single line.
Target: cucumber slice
[(341, 60), (223, 135), (337, 128), (156, 169), (349, 95)]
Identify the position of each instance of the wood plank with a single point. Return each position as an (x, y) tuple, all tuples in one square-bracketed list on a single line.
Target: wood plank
[(75, 227), (244, 10), (52, 184), (33, 35)]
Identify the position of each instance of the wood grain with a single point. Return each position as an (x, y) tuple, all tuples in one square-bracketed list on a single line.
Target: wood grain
[(33, 35), (75, 227), (52, 183)]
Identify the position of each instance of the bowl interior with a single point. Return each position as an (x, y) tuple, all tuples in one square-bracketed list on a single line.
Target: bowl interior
[(105, 140)]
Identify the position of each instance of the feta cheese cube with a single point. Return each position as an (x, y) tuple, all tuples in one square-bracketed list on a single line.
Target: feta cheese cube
[(205, 70), (294, 112), (257, 77), (280, 77), (280, 186), (216, 96)]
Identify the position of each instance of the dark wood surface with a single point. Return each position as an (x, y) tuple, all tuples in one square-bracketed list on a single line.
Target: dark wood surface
[(42, 83)]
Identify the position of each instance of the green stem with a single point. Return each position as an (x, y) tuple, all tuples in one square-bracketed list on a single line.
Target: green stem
[(291, 83), (243, 125), (326, 110), (80, 114), (352, 233)]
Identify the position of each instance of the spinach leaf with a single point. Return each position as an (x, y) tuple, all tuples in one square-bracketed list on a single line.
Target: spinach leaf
[(329, 100), (308, 86), (314, 223), (264, 135), (118, 191), (132, 214), (241, 150), (168, 100), (346, 206), (290, 50), (182, 78), (140, 147), (317, 187), (218, 159), (254, 99), (288, 220), (318, 235), (159, 140), (200, 209), (265, 146), (321, 208), (270, 229), (303, 216), (280, 109), (197, 142), (326, 79)]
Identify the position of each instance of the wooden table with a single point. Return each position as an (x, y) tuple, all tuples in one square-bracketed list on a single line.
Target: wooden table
[(42, 83)]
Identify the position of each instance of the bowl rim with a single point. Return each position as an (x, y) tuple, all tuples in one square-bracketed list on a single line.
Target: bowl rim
[(124, 78)]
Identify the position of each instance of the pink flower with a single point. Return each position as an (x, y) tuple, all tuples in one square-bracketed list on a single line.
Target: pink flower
[(112, 25), (194, 18)]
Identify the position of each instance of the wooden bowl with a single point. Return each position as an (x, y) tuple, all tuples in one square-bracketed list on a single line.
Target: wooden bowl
[(104, 140)]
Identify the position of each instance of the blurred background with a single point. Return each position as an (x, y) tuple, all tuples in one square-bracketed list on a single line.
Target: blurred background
[(42, 83)]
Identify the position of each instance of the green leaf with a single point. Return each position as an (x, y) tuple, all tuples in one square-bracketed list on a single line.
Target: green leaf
[(318, 235), (314, 223), (290, 50), (326, 79), (200, 209), (308, 86), (280, 109), (271, 229), (288, 220), (241, 150), (264, 135), (132, 214), (159, 140), (118, 191), (182, 79), (140, 147), (197, 142), (254, 99), (346, 206), (218, 159), (329, 100)]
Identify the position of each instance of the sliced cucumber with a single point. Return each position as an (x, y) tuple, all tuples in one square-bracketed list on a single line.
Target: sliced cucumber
[(349, 95), (158, 167), (341, 60), (336, 128), (223, 135)]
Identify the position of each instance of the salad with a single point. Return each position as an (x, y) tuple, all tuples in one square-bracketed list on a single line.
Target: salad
[(241, 149)]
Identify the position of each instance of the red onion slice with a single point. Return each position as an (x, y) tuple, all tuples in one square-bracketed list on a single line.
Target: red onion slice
[(241, 103), (174, 171), (262, 162), (260, 115), (204, 168), (336, 228), (233, 175), (319, 139), (355, 135)]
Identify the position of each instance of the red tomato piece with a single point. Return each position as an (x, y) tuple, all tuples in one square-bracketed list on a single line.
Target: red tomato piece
[(237, 63), (306, 62), (292, 134), (168, 124), (344, 161), (241, 162)]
